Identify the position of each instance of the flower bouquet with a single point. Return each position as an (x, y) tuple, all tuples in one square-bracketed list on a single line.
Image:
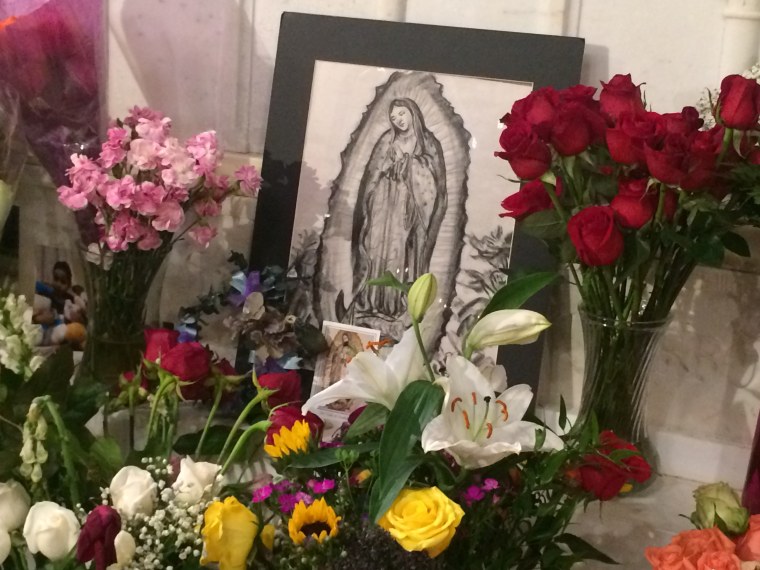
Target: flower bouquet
[(726, 536), (631, 201), (147, 191)]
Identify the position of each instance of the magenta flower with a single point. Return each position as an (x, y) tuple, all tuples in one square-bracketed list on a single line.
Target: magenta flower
[(154, 130), (490, 484), (148, 198), (262, 493), (289, 501), (203, 148), (282, 486), (473, 494), (144, 154), (321, 486)]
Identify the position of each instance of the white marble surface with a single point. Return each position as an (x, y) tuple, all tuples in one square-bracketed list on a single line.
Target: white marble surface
[(624, 527)]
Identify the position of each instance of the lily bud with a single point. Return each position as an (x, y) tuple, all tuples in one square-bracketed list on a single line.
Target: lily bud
[(508, 326), (719, 502), (421, 295)]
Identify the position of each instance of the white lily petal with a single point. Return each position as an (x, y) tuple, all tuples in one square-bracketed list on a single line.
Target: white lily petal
[(519, 398), (343, 389), (509, 326), (466, 378), (496, 375), (436, 435), (525, 434), (472, 455)]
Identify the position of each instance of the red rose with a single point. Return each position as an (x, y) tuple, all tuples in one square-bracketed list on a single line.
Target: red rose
[(634, 204), (191, 363), (632, 132), (96, 540), (670, 163), (286, 416), (537, 109), (158, 342), (287, 384), (575, 128), (595, 236), (704, 150), (619, 96), (603, 477), (582, 94), (224, 368), (531, 198), (528, 156), (739, 102), (686, 122)]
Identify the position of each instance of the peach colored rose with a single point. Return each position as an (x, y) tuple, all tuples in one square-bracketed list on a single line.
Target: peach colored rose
[(697, 542), (670, 557), (748, 545), (721, 560)]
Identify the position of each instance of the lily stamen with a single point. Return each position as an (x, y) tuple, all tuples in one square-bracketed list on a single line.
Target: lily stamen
[(454, 403), (504, 410)]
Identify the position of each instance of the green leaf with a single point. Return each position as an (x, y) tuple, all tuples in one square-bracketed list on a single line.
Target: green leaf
[(329, 455), (106, 454), (387, 279), (416, 406), (540, 438), (546, 225), (212, 445), (562, 413), (518, 290), (735, 243), (637, 251), (583, 549), (553, 462), (373, 416), (618, 455), (709, 250)]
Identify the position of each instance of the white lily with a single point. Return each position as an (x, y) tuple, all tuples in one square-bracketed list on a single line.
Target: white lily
[(508, 326), (477, 428), (373, 380)]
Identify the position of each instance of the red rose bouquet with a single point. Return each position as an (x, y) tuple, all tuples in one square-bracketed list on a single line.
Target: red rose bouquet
[(631, 200)]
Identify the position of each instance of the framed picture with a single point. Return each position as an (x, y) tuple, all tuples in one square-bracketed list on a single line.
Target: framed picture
[(379, 157)]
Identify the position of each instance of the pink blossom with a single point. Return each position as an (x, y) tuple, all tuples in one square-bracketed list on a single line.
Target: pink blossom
[(120, 192), (85, 174), (262, 493), (144, 154), (127, 227), (249, 179), (136, 113), (72, 198), (204, 149), (177, 194), (150, 240), (148, 198), (283, 485), (288, 502), (207, 208), (180, 165), (202, 235), (490, 484), (169, 217), (321, 486), (114, 150), (153, 129)]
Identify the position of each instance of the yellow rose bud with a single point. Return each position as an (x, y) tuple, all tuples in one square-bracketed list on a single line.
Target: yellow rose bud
[(267, 536), (421, 295), (423, 519), (229, 529)]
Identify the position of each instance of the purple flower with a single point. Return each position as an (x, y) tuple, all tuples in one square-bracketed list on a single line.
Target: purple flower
[(244, 285), (490, 484), (262, 493), (321, 486), (289, 501), (473, 494)]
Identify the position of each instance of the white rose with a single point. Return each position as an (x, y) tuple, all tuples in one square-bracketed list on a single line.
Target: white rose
[(125, 546), (133, 491), (5, 545), (14, 505), (194, 480), (51, 530)]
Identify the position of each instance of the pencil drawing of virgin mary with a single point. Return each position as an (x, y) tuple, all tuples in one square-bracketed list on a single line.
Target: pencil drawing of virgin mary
[(397, 205), (401, 203)]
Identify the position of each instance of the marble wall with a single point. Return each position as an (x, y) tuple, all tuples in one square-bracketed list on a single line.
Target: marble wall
[(209, 65)]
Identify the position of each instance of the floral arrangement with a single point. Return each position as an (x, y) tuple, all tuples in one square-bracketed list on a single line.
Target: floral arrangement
[(631, 201), (726, 536)]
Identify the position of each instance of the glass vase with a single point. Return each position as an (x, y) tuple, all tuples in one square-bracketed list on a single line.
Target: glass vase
[(618, 356), (118, 284)]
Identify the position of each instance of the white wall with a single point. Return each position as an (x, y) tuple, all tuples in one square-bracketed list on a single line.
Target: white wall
[(209, 64)]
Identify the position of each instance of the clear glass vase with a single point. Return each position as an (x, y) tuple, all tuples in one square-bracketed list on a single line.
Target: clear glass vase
[(618, 356), (118, 284)]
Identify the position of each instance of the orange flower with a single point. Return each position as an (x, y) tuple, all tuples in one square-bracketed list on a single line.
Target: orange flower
[(719, 561), (689, 547), (748, 545)]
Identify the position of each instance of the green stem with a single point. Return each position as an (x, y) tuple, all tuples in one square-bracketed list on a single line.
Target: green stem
[(418, 334), (154, 405), (10, 423), (217, 398), (66, 452), (263, 425), (607, 274), (260, 397)]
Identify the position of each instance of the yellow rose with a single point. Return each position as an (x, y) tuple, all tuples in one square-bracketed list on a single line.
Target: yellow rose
[(423, 519), (228, 532)]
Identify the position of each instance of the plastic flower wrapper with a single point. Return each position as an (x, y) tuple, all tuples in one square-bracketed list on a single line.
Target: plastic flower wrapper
[(13, 151)]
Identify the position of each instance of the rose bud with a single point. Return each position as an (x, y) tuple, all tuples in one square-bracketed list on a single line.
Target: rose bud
[(422, 294), (605, 478), (195, 480), (51, 530), (528, 156), (595, 236), (133, 491), (719, 501), (97, 538), (531, 198), (191, 363), (287, 384), (620, 95), (158, 342), (634, 204), (14, 505), (739, 102)]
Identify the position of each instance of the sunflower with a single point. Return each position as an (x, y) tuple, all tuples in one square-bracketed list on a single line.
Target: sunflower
[(289, 440), (318, 521)]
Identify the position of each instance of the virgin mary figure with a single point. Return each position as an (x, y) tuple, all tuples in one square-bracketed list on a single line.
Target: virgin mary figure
[(400, 206)]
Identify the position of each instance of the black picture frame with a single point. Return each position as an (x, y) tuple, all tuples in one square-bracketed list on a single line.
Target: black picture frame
[(305, 39)]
